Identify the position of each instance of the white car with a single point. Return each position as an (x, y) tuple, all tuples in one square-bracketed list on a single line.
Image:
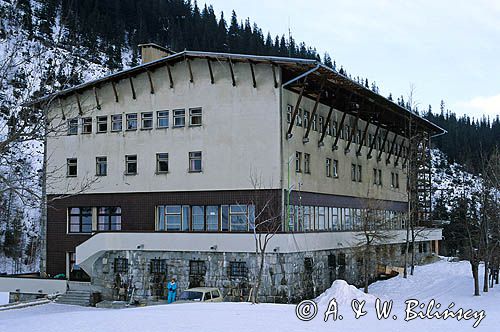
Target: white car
[(200, 294)]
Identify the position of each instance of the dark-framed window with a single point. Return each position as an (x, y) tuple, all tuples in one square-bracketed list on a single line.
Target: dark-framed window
[(116, 122), (101, 166), (195, 161), (197, 268), (73, 126), (173, 218), (162, 119), (102, 124), (86, 125), (238, 270), (120, 265), (158, 266), (80, 220), (131, 164), (162, 163), (109, 218), (198, 218), (71, 167)]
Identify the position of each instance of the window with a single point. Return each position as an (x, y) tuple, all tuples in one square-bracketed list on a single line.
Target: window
[(162, 119), (173, 218), (394, 180), (102, 124), (73, 126), (195, 161), (109, 218), (298, 162), (101, 166), (315, 122), (238, 218), (353, 172), (198, 218), (359, 173), (298, 121), (329, 129), (116, 122), (131, 164), (307, 163), (158, 266), (147, 120), (321, 122), (334, 128), (71, 167), (289, 109), (195, 117), (306, 119), (80, 220), (120, 265), (356, 172), (86, 125), (238, 270), (328, 167), (179, 118), (161, 163), (379, 177), (132, 121), (335, 168), (212, 218)]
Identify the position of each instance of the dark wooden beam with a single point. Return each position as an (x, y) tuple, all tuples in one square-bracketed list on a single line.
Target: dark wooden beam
[(132, 87), (232, 71), (274, 76), (396, 163), (388, 159), (379, 157), (296, 110), (341, 124), (372, 145), (353, 133), (170, 76), (313, 112), (191, 79), (363, 138), (210, 71), (80, 112), (150, 82), (98, 105), (325, 125), (62, 109), (113, 84), (253, 74)]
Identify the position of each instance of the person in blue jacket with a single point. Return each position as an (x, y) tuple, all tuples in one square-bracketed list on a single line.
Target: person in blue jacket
[(172, 291)]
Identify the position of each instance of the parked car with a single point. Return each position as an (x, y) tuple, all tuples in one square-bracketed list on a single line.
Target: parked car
[(200, 294)]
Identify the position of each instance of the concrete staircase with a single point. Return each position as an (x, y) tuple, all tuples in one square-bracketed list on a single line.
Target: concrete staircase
[(78, 293)]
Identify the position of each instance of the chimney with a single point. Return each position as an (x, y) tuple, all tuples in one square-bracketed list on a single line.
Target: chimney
[(151, 52)]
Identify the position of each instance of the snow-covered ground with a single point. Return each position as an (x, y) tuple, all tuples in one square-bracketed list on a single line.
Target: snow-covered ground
[(446, 282), (4, 298)]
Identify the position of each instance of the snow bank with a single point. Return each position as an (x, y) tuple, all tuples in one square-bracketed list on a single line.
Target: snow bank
[(343, 294), (4, 298)]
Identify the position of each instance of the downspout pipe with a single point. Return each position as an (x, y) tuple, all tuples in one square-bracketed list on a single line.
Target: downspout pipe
[(310, 71)]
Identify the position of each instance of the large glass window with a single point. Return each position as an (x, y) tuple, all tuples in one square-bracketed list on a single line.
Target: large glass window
[(307, 218), (198, 218), (212, 218), (80, 220), (109, 218), (321, 218), (225, 217), (238, 218)]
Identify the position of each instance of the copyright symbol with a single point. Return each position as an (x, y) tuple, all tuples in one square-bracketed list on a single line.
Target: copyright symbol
[(306, 310)]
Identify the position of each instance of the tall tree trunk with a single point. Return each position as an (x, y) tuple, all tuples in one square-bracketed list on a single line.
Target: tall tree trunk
[(475, 275), (486, 276), (366, 262)]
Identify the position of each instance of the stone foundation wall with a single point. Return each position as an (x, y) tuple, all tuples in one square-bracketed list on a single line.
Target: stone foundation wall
[(287, 278)]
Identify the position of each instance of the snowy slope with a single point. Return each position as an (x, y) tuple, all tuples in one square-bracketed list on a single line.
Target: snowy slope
[(444, 281)]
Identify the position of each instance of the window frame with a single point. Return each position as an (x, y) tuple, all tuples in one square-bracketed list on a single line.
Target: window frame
[(193, 157), (80, 215), (72, 126), (149, 118), (87, 125), (159, 160), (298, 162), (131, 118), (116, 119), (101, 120), (129, 161), (307, 163), (176, 116), (99, 161), (160, 116), (108, 222), (195, 116), (69, 164)]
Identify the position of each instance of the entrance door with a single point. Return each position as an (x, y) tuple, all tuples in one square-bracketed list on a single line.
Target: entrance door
[(75, 272)]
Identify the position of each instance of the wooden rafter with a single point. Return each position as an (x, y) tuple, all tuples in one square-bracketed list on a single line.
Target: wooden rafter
[(98, 105), (400, 152), (191, 79), (132, 87), (150, 82), (253, 74), (363, 138), (313, 112), (372, 145), (325, 125), (232, 71), (274, 76), (170, 76), (353, 132), (382, 148), (296, 109), (339, 128), (210, 71), (80, 112), (113, 84), (388, 159)]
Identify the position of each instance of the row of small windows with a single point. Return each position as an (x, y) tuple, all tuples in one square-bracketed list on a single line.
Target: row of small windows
[(195, 164), (319, 218), (115, 122), (317, 124), (81, 219)]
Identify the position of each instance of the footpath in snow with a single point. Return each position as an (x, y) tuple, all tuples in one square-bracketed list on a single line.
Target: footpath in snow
[(449, 284)]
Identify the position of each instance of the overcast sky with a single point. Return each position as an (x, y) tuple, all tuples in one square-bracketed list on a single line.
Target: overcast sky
[(449, 49)]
